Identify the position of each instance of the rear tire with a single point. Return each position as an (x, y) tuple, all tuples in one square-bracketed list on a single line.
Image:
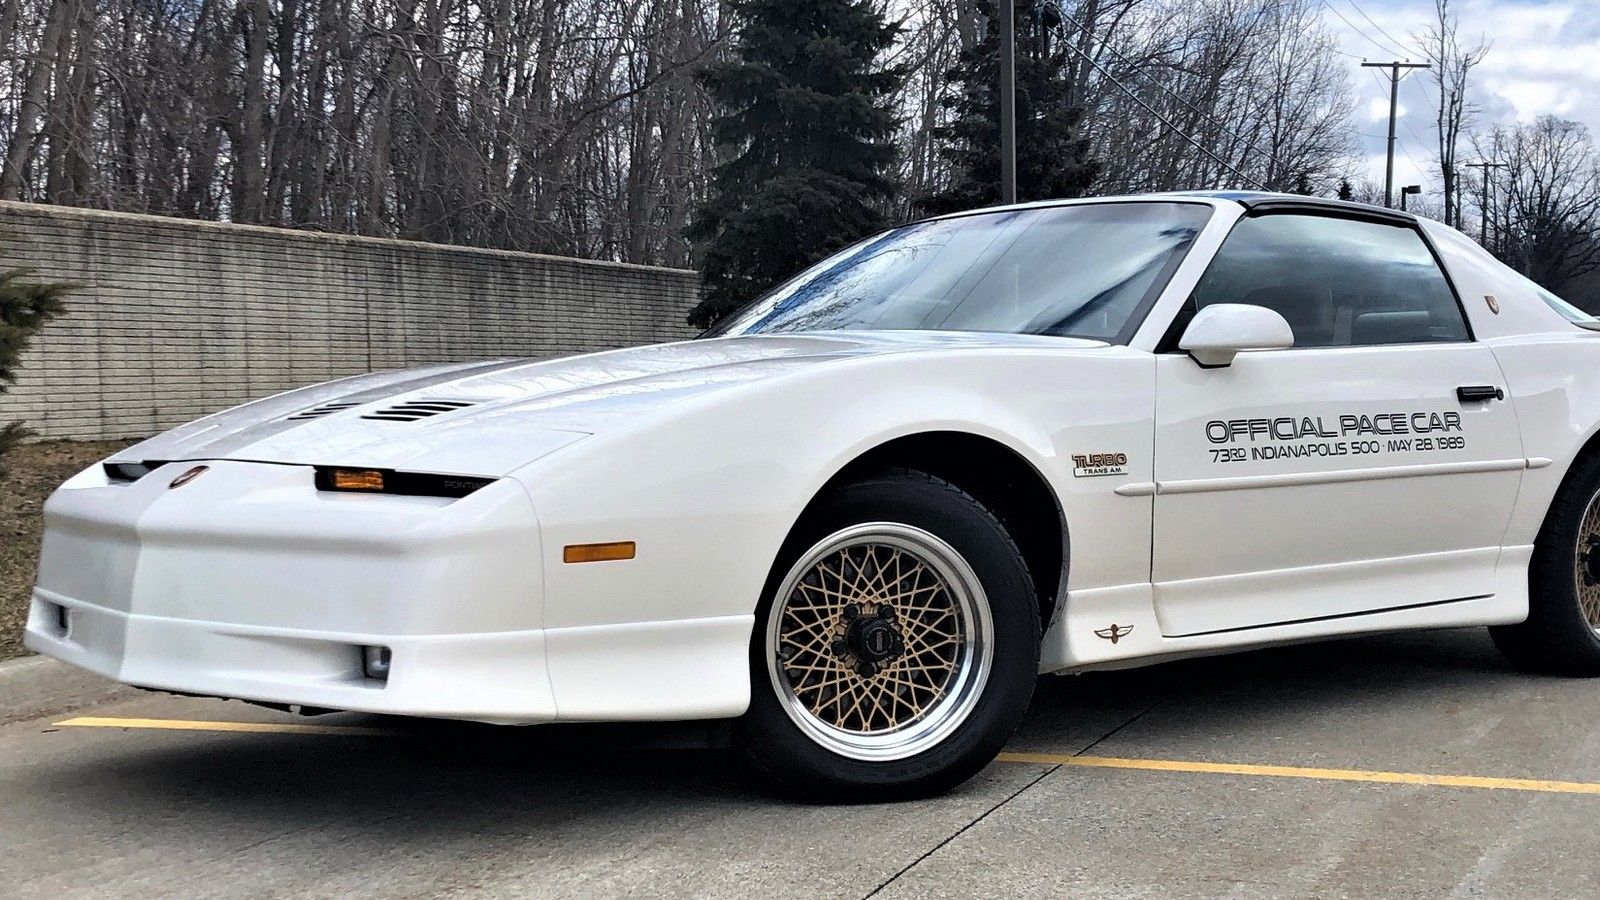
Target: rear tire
[(1562, 633), (896, 646)]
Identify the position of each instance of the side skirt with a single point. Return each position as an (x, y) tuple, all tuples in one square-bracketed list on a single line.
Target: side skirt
[(1117, 627)]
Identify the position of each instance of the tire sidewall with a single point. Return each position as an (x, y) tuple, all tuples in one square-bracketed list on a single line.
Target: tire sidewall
[(1552, 581), (792, 759)]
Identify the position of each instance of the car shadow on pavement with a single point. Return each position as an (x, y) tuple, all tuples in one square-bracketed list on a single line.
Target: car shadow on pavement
[(446, 776), (1270, 688)]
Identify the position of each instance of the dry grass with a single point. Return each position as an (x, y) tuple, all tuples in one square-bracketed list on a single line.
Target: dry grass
[(35, 470)]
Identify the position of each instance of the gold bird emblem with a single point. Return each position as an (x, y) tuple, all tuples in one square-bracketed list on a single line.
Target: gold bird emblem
[(1115, 632)]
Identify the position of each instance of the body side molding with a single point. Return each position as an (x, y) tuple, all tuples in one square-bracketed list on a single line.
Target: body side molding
[(1337, 476)]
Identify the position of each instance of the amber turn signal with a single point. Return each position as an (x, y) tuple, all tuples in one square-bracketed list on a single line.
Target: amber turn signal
[(582, 553), (356, 480)]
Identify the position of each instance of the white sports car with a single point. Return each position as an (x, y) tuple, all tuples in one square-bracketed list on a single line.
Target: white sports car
[(866, 511)]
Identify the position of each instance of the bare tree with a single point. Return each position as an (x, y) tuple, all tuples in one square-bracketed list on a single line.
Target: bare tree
[(1545, 203), (577, 126), (31, 108), (1451, 65), (572, 126), (1219, 93)]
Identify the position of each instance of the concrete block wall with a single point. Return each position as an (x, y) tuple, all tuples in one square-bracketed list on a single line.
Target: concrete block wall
[(177, 318)]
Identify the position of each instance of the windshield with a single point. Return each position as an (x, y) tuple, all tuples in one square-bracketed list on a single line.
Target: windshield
[(1082, 271)]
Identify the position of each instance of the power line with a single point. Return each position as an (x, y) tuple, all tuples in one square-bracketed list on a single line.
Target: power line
[(1249, 144), (1353, 27), (1401, 48), (1417, 137), (1409, 130), (1152, 111)]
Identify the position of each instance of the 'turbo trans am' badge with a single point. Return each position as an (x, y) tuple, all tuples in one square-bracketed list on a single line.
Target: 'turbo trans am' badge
[(1090, 465)]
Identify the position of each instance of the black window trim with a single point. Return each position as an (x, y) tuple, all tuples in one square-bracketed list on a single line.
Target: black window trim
[(1329, 209)]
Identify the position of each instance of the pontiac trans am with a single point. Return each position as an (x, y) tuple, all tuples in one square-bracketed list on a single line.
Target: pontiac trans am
[(862, 514)]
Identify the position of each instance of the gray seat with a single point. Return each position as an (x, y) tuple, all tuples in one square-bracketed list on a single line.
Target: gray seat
[(1396, 327)]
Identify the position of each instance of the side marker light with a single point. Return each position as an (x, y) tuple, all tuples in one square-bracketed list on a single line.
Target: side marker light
[(582, 553)]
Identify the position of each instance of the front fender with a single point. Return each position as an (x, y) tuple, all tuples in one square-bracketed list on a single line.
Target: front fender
[(710, 488)]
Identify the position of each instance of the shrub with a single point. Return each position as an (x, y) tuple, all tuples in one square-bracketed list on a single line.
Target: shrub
[(25, 305)]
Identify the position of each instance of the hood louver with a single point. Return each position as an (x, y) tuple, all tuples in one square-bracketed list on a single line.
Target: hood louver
[(413, 410), (317, 412)]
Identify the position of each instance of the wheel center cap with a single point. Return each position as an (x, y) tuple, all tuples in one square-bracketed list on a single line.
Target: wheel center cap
[(874, 639), (1591, 563)]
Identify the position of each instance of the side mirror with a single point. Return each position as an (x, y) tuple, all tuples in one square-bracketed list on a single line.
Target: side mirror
[(1223, 330)]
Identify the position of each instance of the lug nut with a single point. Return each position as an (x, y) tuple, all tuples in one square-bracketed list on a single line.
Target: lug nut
[(866, 670), (851, 612)]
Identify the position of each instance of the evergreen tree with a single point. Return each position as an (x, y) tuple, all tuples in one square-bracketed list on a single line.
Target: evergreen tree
[(805, 127), (24, 308), (1052, 156), (1346, 192)]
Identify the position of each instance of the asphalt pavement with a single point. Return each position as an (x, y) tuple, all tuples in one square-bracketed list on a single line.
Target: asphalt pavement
[(1402, 766)]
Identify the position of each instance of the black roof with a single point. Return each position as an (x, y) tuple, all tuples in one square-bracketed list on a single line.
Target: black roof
[(1266, 202)]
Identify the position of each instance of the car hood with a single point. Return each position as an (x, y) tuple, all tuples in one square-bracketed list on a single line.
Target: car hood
[(493, 417)]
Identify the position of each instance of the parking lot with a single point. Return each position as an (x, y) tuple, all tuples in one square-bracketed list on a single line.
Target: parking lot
[(1451, 775)]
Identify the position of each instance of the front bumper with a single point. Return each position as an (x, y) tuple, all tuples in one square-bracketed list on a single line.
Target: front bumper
[(247, 582), (497, 677)]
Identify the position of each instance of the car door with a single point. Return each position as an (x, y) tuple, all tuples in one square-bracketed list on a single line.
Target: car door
[(1371, 467)]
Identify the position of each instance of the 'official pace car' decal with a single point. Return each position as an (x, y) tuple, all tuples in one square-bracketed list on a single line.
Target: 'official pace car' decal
[(1091, 465), (1295, 437)]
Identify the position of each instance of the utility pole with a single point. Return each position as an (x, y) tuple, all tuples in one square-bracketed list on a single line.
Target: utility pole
[(1008, 101), (1455, 181), (1483, 207), (1394, 101)]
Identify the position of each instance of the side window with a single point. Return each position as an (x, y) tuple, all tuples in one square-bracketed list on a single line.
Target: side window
[(1338, 282)]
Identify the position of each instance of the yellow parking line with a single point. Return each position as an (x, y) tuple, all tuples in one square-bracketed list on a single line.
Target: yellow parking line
[(1058, 759), (257, 727), (1373, 777)]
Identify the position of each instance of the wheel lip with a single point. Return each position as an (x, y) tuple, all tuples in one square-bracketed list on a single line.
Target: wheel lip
[(1581, 544), (976, 663)]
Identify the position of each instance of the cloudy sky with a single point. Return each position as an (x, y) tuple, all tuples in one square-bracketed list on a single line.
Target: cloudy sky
[(1544, 58)]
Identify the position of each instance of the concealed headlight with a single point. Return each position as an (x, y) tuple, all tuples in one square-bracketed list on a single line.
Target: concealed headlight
[(356, 480), (388, 481), (125, 472)]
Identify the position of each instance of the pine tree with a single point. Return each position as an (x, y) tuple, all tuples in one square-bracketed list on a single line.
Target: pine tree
[(806, 128), (24, 308), (1052, 155)]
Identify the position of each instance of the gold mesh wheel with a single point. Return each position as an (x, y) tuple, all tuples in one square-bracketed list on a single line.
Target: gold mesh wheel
[(1586, 564), (878, 642)]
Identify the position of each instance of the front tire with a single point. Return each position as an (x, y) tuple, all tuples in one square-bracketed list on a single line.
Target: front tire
[(896, 648), (1562, 633)]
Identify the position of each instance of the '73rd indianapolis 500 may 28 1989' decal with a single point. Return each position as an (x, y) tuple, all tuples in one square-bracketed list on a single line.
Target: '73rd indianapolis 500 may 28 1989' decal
[(1292, 437)]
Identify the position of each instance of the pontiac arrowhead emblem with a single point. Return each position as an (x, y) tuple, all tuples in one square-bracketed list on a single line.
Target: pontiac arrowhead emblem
[(1115, 632), (188, 476), (1494, 305)]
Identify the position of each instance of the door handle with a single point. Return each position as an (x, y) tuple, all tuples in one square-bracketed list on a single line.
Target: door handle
[(1470, 393)]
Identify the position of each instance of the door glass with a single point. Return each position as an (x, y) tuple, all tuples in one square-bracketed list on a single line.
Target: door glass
[(1338, 282)]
